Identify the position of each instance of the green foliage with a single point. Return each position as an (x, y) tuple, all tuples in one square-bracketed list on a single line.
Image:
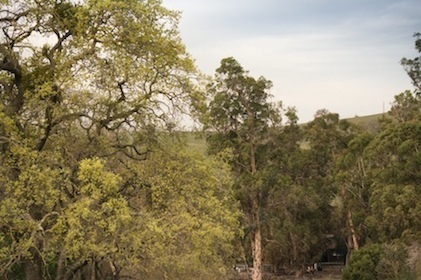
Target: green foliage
[(240, 118), (380, 261), (28, 205), (195, 214), (391, 161), (240, 102), (363, 264), (107, 65), (351, 203), (295, 226), (185, 229), (413, 66), (78, 111), (406, 107), (97, 224), (394, 263), (298, 213), (394, 159)]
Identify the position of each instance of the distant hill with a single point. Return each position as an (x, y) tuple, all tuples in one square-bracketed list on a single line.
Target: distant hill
[(370, 122), (197, 142), (366, 119)]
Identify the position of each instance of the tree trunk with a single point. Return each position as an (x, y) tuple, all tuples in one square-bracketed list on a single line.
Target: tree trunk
[(349, 251), (298, 268), (352, 242), (33, 268), (255, 210), (75, 269), (256, 242), (354, 236)]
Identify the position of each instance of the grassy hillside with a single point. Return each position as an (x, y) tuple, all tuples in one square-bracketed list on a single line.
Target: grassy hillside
[(370, 122), (366, 119)]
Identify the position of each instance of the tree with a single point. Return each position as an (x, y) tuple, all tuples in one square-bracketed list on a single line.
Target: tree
[(296, 214), (354, 191), (380, 261), (406, 107), (363, 264), (382, 174), (239, 118), (394, 157), (80, 80), (329, 139), (108, 65), (413, 66)]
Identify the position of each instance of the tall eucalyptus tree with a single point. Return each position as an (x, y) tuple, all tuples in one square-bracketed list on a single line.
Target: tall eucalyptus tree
[(240, 118)]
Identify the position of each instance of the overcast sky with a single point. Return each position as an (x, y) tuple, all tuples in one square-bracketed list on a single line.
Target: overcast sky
[(341, 55)]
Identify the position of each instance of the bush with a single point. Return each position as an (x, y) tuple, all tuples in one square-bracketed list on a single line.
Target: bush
[(393, 263), (385, 261), (363, 264)]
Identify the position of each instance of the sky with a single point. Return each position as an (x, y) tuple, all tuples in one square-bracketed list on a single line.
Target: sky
[(339, 55)]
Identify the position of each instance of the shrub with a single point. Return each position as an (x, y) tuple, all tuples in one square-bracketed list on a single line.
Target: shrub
[(380, 261), (363, 264)]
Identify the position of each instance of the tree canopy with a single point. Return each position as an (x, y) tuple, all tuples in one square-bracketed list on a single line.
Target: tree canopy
[(89, 92)]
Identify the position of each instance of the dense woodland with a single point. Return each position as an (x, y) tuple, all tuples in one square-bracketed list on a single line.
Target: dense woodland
[(98, 182)]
